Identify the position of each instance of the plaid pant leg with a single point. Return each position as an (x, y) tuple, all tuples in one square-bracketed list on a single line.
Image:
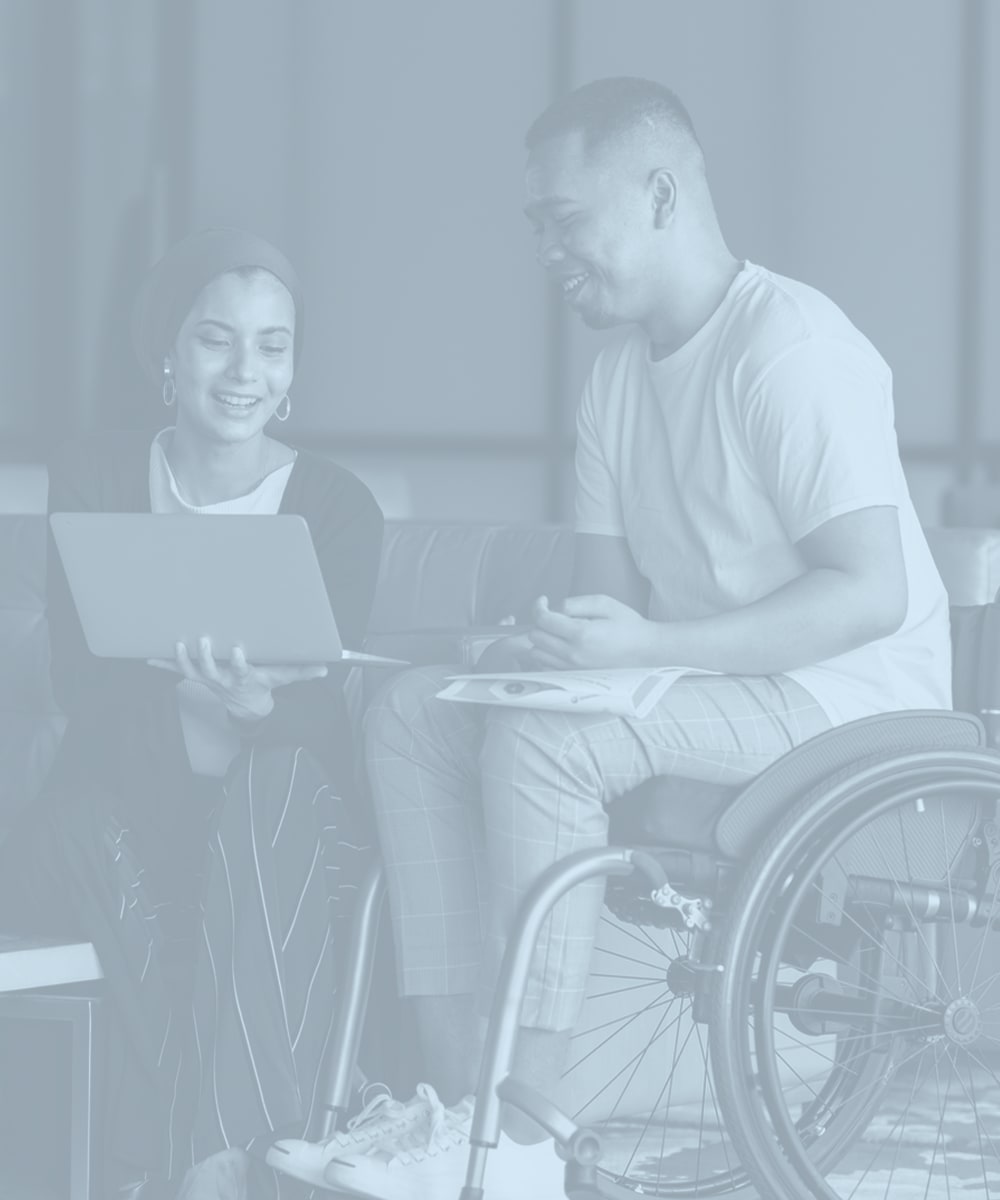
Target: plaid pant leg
[(547, 777), (422, 756)]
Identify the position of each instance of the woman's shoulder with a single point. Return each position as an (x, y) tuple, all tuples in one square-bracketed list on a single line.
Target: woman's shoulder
[(323, 485)]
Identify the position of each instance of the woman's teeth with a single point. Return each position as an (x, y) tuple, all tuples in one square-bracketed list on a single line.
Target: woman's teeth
[(231, 401), (573, 284)]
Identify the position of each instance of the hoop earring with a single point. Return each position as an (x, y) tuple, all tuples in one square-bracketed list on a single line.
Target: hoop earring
[(169, 392), (286, 400)]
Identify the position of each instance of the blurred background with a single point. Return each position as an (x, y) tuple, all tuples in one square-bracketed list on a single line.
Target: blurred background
[(853, 145)]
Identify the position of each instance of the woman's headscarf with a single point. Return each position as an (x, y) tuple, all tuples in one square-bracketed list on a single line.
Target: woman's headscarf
[(173, 284)]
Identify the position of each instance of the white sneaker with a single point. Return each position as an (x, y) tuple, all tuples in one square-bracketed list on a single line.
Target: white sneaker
[(382, 1120), (423, 1164), (432, 1166)]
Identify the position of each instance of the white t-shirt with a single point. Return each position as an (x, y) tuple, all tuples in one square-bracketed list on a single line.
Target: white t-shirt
[(775, 417), (212, 742)]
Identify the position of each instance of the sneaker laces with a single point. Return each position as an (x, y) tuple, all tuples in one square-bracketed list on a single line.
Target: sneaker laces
[(446, 1129), (382, 1108)]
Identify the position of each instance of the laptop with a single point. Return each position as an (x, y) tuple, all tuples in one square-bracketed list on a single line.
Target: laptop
[(143, 582)]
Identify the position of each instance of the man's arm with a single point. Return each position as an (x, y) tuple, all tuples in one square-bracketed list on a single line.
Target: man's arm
[(603, 565), (853, 591)]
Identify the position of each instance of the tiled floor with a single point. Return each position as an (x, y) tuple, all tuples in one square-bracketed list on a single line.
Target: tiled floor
[(920, 1157)]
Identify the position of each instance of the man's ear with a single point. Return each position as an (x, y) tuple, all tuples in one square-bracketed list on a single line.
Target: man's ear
[(663, 187)]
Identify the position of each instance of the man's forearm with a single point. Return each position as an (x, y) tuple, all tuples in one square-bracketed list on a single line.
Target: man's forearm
[(817, 616)]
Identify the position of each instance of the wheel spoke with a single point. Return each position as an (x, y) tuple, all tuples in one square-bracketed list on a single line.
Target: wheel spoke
[(653, 1004)]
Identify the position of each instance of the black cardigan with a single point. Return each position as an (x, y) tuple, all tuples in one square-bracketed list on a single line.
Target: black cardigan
[(124, 730)]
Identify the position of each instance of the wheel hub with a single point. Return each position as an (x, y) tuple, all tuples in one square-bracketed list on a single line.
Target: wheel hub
[(962, 1021), (681, 977)]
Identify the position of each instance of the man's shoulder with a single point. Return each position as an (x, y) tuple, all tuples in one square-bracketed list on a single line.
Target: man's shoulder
[(777, 317)]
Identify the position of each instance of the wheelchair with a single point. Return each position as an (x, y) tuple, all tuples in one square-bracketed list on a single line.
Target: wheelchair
[(794, 995)]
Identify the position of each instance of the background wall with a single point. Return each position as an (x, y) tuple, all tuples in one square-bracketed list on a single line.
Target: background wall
[(853, 145)]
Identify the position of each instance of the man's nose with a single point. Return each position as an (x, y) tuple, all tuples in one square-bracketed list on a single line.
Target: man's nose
[(549, 251)]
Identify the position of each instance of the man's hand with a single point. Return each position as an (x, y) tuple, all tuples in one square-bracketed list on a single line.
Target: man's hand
[(244, 689), (590, 632)]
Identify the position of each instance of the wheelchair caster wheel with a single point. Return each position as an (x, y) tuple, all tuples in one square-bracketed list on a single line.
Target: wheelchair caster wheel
[(581, 1181)]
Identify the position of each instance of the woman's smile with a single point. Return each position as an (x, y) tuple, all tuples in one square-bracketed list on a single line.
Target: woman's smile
[(236, 402)]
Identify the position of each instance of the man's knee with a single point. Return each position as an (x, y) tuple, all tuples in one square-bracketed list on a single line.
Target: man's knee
[(544, 757), (539, 749), (402, 701)]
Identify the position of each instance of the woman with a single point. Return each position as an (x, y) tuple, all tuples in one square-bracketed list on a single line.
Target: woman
[(197, 825)]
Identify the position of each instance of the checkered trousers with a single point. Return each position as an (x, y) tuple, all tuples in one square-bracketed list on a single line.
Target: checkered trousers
[(474, 803)]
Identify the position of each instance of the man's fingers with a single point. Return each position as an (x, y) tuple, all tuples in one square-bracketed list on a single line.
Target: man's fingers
[(558, 624), (542, 661), (551, 646), (589, 607)]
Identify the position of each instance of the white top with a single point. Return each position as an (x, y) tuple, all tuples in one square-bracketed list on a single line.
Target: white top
[(713, 462), (212, 742)]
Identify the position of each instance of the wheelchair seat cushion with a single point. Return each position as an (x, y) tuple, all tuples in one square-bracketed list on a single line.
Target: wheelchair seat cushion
[(669, 810), (762, 802)]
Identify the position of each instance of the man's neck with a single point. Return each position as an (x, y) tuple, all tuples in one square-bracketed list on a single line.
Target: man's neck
[(694, 296)]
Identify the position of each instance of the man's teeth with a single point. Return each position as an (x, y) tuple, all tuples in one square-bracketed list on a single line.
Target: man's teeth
[(573, 284)]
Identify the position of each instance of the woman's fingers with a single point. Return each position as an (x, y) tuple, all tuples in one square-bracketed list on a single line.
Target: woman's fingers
[(238, 663), (184, 663), (282, 676), (164, 664), (206, 662)]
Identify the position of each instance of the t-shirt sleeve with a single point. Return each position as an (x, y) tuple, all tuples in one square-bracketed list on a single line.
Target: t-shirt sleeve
[(598, 500), (819, 427)]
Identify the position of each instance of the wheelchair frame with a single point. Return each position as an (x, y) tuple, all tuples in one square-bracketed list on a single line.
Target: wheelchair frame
[(718, 994)]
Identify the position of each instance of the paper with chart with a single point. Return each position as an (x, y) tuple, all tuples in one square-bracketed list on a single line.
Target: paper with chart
[(622, 692)]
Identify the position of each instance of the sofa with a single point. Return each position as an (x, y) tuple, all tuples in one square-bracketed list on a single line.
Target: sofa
[(437, 580)]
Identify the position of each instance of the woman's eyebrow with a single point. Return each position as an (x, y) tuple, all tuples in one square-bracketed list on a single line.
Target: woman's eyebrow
[(229, 329)]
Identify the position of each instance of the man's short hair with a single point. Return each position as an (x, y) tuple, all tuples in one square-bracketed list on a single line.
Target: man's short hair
[(608, 111)]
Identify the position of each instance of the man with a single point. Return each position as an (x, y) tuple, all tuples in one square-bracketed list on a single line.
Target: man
[(740, 508)]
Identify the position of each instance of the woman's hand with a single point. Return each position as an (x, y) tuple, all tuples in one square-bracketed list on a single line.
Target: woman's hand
[(244, 689)]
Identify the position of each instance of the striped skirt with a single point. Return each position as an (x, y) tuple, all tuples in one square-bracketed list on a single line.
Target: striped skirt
[(221, 978)]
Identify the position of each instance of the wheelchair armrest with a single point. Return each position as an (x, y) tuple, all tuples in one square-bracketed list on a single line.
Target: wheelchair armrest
[(743, 824)]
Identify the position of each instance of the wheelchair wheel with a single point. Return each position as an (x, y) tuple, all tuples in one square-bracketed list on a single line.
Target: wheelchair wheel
[(865, 932), (640, 1070)]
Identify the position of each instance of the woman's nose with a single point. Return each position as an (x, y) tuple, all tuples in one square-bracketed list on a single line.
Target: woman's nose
[(242, 365)]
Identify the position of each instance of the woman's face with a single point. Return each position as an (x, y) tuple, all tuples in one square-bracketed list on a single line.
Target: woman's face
[(232, 360)]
